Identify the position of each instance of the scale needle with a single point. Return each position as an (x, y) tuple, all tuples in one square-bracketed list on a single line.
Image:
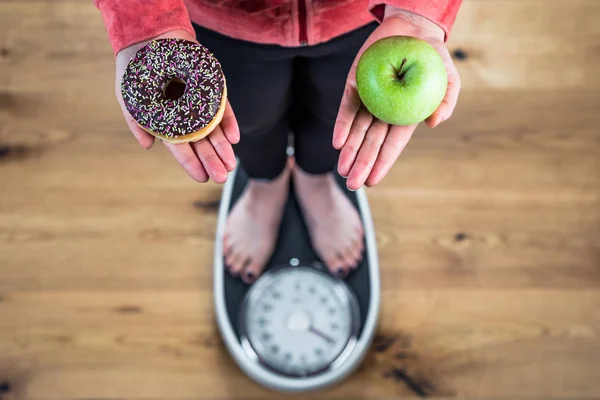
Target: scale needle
[(321, 334)]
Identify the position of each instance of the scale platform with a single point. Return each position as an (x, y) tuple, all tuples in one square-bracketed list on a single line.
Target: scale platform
[(297, 328)]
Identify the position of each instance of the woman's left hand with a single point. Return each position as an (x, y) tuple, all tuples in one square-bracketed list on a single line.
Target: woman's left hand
[(369, 147)]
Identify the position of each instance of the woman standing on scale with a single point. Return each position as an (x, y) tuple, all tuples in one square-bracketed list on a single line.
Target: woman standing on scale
[(289, 66)]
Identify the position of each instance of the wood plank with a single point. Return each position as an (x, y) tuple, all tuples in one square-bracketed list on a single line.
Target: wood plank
[(80, 344), (512, 194), (69, 39), (461, 246), (488, 226), (530, 43)]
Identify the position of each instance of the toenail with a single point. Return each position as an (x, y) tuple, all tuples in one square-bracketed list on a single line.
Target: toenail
[(249, 275), (340, 271)]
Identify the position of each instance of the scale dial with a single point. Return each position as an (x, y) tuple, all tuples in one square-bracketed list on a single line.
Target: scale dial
[(299, 321)]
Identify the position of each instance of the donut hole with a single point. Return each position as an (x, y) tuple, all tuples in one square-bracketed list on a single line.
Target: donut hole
[(174, 88)]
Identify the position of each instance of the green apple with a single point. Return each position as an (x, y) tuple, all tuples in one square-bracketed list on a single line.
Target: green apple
[(401, 80)]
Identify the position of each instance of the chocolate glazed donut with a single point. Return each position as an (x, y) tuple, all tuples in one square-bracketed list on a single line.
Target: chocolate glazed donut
[(175, 90)]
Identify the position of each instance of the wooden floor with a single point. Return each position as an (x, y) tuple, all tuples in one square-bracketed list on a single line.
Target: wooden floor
[(488, 227)]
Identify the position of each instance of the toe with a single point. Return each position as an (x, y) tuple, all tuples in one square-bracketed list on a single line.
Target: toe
[(353, 251), (337, 262), (348, 257), (229, 257), (226, 248), (340, 272), (330, 262), (358, 244), (257, 264), (340, 269), (251, 272), (248, 277), (356, 257), (237, 263), (335, 266)]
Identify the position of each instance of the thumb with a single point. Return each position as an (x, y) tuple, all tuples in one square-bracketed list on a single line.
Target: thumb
[(123, 57), (145, 139)]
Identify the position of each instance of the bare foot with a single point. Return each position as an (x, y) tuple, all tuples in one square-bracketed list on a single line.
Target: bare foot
[(333, 222), (253, 226)]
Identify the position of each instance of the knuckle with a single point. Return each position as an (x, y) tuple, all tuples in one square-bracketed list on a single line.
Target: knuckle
[(209, 157), (348, 90), (343, 123), (361, 164), (362, 124), (218, 142), (189, 163), (351, 148), (374, 139), (396, 147)]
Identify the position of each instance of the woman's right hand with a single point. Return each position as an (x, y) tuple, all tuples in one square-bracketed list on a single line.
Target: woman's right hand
[(208, 158)]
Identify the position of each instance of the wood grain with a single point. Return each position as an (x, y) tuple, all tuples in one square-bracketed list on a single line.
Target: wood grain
[(488, 226), (528, 44), (158, 344)]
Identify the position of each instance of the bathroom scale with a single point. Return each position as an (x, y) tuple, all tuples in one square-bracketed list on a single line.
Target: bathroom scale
[(296, 328)]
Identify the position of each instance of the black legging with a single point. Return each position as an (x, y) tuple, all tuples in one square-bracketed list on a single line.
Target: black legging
[(275, 91)]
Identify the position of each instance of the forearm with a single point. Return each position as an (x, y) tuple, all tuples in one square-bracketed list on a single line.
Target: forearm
[(132, 21), (442, 13), (418, 25)]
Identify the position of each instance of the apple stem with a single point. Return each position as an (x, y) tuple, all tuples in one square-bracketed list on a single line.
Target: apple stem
[(400, 72)]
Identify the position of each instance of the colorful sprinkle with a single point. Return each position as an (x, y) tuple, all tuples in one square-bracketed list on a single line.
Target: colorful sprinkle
[(151, 69)]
